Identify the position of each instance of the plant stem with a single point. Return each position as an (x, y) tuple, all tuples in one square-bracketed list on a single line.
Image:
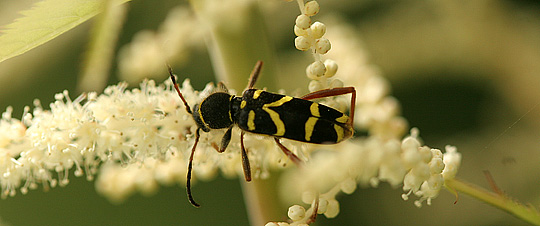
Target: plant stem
[(238, 40), (99, 55), (527, 213), (261, 201)]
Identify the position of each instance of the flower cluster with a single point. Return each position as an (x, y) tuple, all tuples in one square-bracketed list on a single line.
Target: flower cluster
[(132, 139), (377, 111), (381, 157), (310, 37), (420, 169)]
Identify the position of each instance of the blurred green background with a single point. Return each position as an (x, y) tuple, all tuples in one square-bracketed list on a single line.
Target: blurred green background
[(463, 71)]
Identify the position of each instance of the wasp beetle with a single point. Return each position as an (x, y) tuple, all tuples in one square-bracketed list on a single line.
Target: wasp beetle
[(276, 115)]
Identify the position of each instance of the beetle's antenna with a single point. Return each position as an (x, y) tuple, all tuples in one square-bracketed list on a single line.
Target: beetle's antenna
[(188, 109), (190, 166), (254, 74)]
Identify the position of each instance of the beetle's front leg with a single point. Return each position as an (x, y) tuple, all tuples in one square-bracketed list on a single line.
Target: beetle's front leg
[(225, 140)]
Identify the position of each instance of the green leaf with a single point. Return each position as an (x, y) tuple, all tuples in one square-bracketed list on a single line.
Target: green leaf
[(46, 20)]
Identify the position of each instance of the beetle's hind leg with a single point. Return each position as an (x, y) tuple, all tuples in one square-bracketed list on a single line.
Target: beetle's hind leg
[(299, 163), (288, 153)]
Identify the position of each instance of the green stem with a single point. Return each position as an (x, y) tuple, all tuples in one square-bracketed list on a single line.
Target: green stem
[(525, 212), (100, 51), (261, 201), (238, 40)]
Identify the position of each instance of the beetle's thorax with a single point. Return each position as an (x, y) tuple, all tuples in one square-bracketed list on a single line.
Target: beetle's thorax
[(235, 108)]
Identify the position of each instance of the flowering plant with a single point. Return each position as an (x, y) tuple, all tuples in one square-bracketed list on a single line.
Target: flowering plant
[(134, 140)]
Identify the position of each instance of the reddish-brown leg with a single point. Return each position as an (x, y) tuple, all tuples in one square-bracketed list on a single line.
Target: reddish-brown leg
[(245, 159), (288, 153), (299, 162)]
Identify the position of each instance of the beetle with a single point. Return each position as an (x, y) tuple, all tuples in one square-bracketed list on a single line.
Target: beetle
[(261, 112)]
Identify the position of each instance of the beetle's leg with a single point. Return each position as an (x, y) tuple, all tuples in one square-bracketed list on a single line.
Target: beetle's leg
[(225, 140), (254, 74), (245, 159), (288, 153), (190, 166), (299, 162), (335, 92)]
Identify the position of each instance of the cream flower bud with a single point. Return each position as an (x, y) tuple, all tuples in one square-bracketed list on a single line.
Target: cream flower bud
[(311, 8), (308, 197), (303, 21), (300, 32), (425, 154), (436, 165), (302, 43), (332, 210), (335, 83), (322, 46), (323, 206), (318, 29), (436, 181), (452, 160), (314, 85), (315, 70), (348, 186), (331, 68), (276, 224), (296, 212)]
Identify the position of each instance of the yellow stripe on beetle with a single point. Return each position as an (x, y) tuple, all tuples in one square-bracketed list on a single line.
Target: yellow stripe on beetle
[(251, 120), (257, 93), (314, 108), (280, 126), (201, 117), (310, 126), (339, 133), (343, 119)]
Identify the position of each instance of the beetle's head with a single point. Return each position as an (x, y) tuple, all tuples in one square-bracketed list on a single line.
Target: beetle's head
[(214, 112)]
